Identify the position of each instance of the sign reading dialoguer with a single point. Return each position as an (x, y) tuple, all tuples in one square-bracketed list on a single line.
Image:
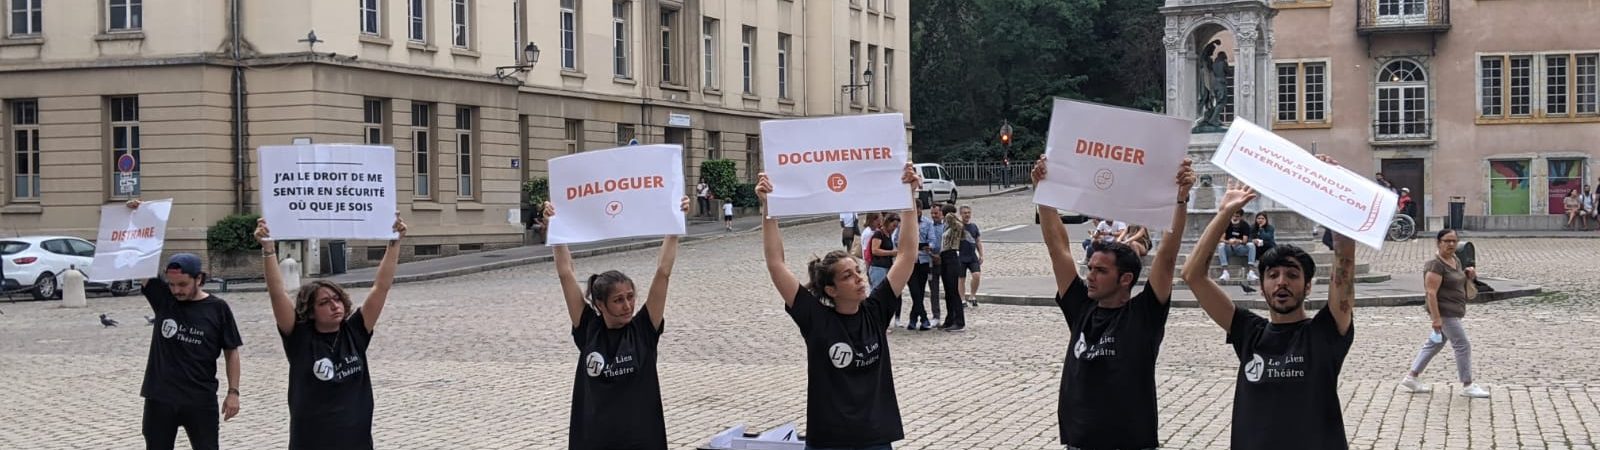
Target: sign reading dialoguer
[(835, 164), (617, 193), (325, 191), (1113, 163), (1333, 196), (129, 243)]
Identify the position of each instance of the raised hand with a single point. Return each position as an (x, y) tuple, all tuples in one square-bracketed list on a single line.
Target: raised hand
[(549, 210), (1238, 195), (683, 205), (1185, 178), (909, 176), (763, 187), (1328, 159), (134, 203), (263, 235), (1038, 172), (399, 227)]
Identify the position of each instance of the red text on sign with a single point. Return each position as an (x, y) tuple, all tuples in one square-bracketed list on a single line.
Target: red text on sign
[(614, 185), (137, 233), (1119, 153), (835, 155)]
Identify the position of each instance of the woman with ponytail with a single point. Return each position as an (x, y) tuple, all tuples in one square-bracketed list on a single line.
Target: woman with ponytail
[(850, 397), (616, 395)]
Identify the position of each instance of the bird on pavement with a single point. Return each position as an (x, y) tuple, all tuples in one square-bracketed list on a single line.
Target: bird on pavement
[(149, 320), (107, 322)]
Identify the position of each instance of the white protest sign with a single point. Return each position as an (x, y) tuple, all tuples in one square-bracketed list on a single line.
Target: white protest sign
[(1333, 196), (617, 193), (129, 243), (327, 191), (1115, 163), (835, 164)]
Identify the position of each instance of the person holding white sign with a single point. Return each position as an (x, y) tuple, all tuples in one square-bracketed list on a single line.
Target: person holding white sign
[(191, 329), (616, 392), (850, 395), (1287, 393), (1108, 385), (330, 386)]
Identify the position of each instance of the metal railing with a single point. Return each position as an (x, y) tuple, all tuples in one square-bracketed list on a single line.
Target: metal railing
[(1374, 16), (990, 173), (1412, 130)]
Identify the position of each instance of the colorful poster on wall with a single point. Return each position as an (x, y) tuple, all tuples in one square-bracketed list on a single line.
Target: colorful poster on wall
[(1566, 175), (1508, 187)]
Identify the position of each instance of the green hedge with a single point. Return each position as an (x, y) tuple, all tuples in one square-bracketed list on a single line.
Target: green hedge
[(721, 175), (233, 235)]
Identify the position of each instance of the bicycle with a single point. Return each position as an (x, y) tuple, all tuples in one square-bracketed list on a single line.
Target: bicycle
[(1402, 228)]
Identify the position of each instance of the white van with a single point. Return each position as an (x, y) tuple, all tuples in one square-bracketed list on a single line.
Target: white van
[(937, 180)]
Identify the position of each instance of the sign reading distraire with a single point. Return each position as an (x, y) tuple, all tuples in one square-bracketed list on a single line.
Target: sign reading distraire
[(1335, 197), (1113, 162), (617, 193), (129, 243), (835, 164), (324, 191)]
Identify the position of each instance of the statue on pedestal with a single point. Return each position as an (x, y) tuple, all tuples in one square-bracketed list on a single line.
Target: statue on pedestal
[(1214, 89)]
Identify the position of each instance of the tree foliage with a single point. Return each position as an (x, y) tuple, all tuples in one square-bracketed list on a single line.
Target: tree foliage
[(979, 63)]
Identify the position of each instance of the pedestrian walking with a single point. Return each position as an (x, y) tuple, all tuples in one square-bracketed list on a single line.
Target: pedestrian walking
[(616, 390), (971, 256), (955, 233), (727, 215), (918, 320), (191, 328), (330, 386), (850, 394), (1448, 286), (1108, 383), (848, 230), (1288, 364)]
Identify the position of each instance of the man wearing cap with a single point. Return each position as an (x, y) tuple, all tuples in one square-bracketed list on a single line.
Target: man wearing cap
[(180, 378)]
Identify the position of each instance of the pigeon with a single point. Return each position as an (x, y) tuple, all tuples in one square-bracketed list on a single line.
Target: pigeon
[(107, 322), (149, 320)]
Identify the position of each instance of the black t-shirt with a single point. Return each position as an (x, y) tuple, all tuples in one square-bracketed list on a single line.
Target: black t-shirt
[(1240, 230), (616, 394), (1108, 386), (885, 242), (185, 342), (1287, 394), (969, 244), (850, 400), (330, 389)]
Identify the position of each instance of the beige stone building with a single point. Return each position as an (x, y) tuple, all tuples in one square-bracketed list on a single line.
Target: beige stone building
[(182, 92), (1493, 101)]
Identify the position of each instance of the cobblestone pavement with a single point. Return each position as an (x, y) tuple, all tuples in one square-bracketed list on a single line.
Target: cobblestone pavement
[(486, 360)]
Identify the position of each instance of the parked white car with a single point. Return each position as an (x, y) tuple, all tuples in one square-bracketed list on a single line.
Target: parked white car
[(937, 180), (35, 263)]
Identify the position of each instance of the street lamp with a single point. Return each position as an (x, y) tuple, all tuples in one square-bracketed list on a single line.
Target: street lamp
[(1005, 141), (848, 89), (530, 56)]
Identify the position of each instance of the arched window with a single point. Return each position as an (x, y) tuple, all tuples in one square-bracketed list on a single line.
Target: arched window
[(1402, 101)]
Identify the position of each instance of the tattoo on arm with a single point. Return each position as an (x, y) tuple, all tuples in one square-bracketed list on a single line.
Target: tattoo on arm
[(1345, 277)]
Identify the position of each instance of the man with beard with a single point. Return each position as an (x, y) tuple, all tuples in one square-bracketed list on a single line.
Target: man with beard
[(1286, 394), (1108, 383)]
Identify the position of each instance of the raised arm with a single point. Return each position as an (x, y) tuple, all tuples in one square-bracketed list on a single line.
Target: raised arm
[(373, 306), (1167, 253), (772, 247), (1342, 287), (1196, 271), (1056, 239), (904, 262), (568, 275), (282, 305), (656, 303)]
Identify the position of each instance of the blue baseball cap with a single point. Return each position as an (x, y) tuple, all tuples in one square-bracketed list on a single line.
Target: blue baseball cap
[(187, 263)]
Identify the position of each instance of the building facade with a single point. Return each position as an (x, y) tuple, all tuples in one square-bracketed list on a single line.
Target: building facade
[(1454, 99), (106, 100)]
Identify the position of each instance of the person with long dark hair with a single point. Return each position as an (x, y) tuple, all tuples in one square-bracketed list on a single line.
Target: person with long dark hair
[(1448, 287)]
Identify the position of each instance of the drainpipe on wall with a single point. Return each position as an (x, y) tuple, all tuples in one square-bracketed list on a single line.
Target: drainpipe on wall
[(236, 94)]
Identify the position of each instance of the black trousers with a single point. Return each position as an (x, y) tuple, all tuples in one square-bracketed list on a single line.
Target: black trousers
[(162, 419), (918, 285), (955, 310), (705, 206), (935, 278)]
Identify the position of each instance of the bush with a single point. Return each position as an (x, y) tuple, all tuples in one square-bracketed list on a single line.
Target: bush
[(721, 175), (233, 235), (535, 192), (744, 196)]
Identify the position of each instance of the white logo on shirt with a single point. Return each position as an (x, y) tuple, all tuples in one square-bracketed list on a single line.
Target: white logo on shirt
[(323, 369), (594, 364), (1253, 369), (1077, 350), (1106, 347), (169, 327), (841, 354)]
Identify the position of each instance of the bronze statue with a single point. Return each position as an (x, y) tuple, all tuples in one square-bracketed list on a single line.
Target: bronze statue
[(1214, 88)]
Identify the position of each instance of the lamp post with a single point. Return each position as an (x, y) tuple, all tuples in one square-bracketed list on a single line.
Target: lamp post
[(530, 56), (847, 89), (1005, 142)]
